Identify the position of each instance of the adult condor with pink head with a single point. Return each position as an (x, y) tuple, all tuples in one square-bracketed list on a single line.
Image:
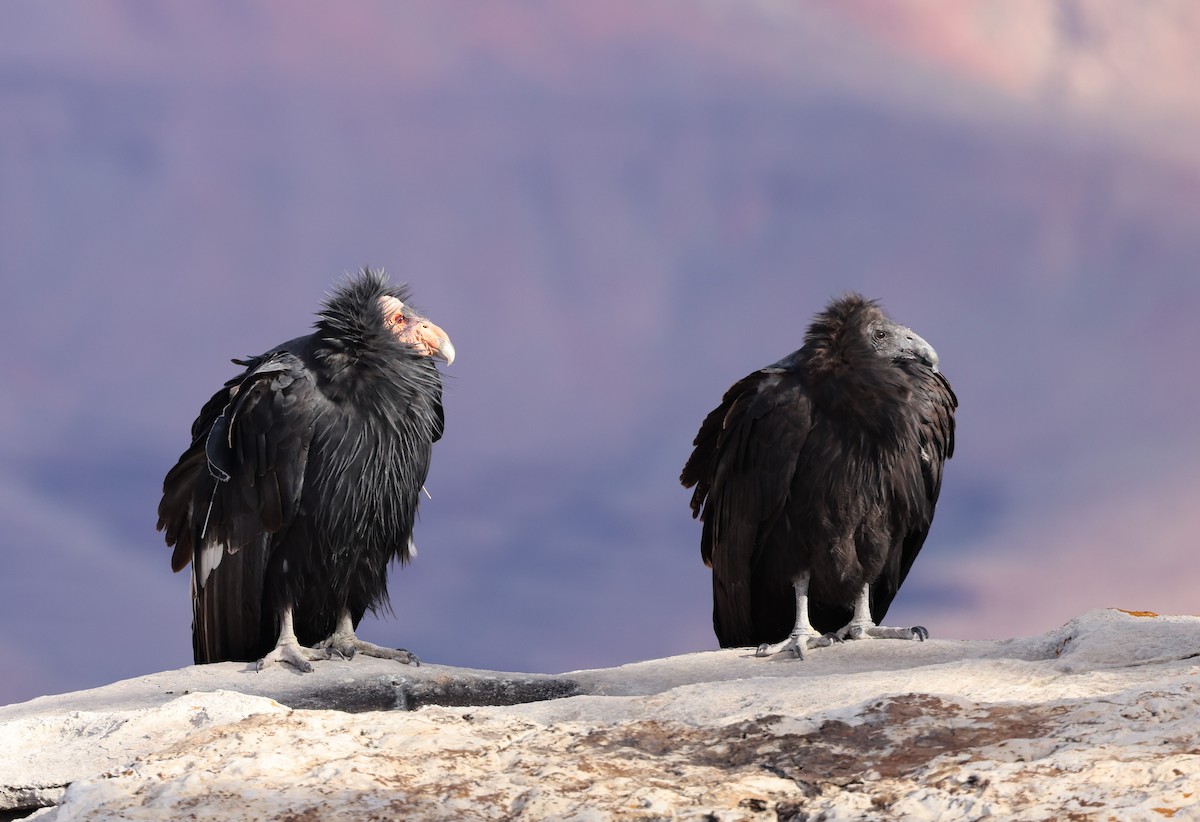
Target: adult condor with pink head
[(816, 480), (302, 482)]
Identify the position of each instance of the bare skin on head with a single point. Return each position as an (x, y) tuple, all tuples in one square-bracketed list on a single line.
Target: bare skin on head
[(412, 329)]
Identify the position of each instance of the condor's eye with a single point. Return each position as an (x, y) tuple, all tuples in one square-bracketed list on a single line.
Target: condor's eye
[(880, 334), (398, 319)]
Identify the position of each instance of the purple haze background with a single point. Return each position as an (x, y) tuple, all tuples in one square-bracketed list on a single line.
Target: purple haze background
[(615, 210)]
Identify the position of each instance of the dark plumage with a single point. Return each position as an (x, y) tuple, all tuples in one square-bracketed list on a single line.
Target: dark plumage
[(816, 480), (303, 478)]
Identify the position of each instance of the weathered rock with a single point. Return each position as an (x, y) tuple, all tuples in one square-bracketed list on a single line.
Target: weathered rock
[(47, 743), (1095, 720)]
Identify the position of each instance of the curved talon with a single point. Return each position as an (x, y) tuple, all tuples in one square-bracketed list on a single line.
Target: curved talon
[(832, 637), (348, 647), (327, 648), (796, 644), (870, 630), (264, 663), (293, 655)]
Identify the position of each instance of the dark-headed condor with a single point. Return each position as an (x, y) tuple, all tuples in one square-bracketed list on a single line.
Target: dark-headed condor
[(816, 480)]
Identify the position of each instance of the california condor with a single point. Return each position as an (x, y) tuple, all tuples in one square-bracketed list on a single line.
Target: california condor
[(302, 482), (816, 480)]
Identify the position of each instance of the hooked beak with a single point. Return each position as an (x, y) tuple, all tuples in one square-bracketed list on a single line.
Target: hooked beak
[(412, 329), (434, 341), (924, 352)]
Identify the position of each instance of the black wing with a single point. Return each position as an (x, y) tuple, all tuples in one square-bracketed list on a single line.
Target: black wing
[(182, 482), (935, 404), (232, 492), (742, 467)]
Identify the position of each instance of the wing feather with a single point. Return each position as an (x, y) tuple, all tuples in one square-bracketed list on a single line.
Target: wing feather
[(935, 404), (745, 456), (237, 486)]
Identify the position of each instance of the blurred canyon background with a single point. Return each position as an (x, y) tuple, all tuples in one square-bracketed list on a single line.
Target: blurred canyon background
[(615, 210)]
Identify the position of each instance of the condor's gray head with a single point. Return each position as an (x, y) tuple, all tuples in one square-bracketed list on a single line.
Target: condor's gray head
[(852, 332), (897, 342)]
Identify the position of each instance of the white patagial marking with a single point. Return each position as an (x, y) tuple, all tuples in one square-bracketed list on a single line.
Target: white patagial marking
[(412, 547), (210, 557)]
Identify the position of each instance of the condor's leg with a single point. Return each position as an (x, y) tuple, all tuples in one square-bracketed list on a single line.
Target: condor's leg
[(861, 626), (803, 635), (344, 643), (288, 650)]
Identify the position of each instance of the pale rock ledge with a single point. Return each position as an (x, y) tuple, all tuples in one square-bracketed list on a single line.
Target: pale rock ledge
[(1098, 719)]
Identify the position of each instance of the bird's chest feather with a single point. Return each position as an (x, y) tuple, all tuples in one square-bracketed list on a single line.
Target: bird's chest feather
[(367, 466), (853, 478), (370, 453)]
